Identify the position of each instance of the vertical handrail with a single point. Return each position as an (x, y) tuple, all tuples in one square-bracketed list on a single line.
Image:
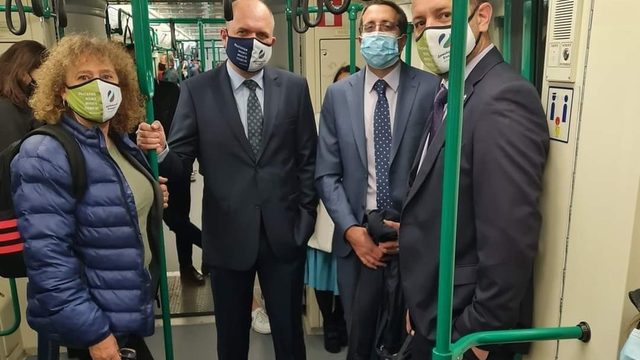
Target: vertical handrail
[(506, 35), (203, 51), (442, 351), (16, 310), (409, 44), (529, 21), (289, 35), (140, 10), (353, 15)]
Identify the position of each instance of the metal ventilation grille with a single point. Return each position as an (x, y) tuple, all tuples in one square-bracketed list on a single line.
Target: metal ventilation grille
[(563, 20)]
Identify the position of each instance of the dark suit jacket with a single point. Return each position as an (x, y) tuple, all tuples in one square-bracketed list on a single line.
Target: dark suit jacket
[(341, 168), (504, 150), (242, 192)]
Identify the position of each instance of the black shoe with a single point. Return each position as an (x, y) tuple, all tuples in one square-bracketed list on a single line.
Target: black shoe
[(190, 275), (331, 339)]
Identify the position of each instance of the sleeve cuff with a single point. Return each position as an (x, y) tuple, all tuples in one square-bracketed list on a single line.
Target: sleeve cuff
[(163, 154)]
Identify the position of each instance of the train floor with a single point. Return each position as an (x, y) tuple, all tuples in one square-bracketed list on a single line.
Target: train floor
[(198, 342)]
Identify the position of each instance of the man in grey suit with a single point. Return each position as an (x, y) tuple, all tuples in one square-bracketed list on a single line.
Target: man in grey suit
[(253, 132), (370, 128), (504, 150)]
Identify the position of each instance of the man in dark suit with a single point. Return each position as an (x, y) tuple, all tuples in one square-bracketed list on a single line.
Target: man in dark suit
[(252, 130), (504, 150), (370, 128)]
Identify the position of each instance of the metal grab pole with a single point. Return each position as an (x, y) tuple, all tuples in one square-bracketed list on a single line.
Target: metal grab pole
[(506, 35), (353, 14), (203, 53), (580, 331), (16, 310), (140, 10), (409, 44), (442, 351), (289, 35)]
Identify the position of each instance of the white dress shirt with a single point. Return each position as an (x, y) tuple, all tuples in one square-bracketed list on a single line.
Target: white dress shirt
[(370, 100), (445, 82)]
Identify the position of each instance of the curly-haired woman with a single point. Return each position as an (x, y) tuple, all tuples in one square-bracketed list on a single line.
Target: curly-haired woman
[(92, 262), (16, 85)]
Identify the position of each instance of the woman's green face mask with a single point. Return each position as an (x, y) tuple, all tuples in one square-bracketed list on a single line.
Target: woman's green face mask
[(95, 100)]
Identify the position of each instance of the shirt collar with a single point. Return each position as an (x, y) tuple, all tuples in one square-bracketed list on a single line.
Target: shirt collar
[(237, 80), (472, 64), (392, 78)]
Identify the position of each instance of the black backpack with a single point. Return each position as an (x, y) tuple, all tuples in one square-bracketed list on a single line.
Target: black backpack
[(11, 244)]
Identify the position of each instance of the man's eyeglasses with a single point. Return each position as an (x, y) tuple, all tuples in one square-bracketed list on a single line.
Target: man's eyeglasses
[(385, 26)]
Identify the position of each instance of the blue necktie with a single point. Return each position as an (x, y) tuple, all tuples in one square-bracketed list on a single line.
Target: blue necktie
[(254, 117), (438, 112), (382, 146)]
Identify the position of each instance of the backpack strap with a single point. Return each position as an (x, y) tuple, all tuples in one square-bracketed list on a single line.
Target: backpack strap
[(71, 147)]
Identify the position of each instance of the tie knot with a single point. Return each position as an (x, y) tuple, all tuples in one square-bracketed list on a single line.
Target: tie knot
[(251, 85), (441, 96), (380, 87)]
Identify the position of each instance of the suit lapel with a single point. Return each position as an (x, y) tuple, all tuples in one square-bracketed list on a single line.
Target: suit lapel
[(407, 91), (356, 104), (271, 91), (490, 60), (230, 113)]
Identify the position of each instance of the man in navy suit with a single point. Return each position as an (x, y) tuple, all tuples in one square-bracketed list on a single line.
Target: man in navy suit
[(505, 141), (370, 129), (253, 132)]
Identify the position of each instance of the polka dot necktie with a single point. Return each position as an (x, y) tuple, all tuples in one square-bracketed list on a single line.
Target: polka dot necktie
[(254, 117), (382, 146)]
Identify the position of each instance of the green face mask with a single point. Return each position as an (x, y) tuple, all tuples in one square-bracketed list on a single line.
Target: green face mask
[(95, 100)]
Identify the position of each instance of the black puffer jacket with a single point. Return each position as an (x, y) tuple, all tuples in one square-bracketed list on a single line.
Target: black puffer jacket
[(14, 123)]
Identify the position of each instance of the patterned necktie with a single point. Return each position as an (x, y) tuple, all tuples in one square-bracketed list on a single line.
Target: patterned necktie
[(382, 146), (438, 112), (254, 117)]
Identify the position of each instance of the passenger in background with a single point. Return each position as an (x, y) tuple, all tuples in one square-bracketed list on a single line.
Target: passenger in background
[(162, 67), (321, 274), (370, 129), (16, 86), (505, 141), (257, 160), (171, 74), (176, 216), (92, 263)]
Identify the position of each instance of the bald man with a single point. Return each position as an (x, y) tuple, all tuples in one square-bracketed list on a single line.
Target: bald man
[(253, 132)]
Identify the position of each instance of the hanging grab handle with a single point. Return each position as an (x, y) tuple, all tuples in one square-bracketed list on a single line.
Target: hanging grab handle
[(38, 9), (298, 23), (228, 9), (21, 15), (305, 13), (337, 10), (61, 13)]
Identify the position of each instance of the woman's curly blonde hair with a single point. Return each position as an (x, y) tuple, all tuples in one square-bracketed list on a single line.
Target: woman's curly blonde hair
[(47, 102)]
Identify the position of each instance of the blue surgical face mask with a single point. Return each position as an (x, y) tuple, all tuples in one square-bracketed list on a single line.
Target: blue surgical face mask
[(248, 54), (631, 349), (380, 49)]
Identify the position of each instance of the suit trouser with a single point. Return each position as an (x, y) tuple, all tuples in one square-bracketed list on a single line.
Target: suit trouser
[(348, 273), (176, 216), (281, 283)]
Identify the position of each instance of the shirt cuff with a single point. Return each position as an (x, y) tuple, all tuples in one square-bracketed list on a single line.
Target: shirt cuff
[(163, 154)]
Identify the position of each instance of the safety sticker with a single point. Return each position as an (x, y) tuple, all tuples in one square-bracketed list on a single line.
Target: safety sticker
[(559, 107)]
